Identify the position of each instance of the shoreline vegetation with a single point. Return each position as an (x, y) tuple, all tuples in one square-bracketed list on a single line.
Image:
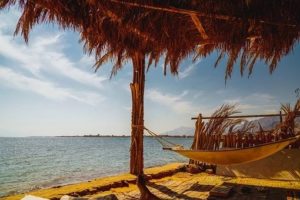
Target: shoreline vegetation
[(99, 136), (170, 180), (127, 136)]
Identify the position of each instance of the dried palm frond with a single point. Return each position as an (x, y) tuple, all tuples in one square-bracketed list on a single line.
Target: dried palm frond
[(220, 123), (208, 135), (291, 114), (248, 30), (246, 128)]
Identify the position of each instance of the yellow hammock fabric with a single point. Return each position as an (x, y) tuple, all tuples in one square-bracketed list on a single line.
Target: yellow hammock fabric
[(236, 156)]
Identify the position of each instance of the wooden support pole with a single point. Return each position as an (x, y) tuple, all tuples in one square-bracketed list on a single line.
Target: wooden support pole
[(197, 132), (199, 26), (197, 137), (280, 116), (137, 115)]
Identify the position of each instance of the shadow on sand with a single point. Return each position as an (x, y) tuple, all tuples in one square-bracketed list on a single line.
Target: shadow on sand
[(175, 195), (238, 192)]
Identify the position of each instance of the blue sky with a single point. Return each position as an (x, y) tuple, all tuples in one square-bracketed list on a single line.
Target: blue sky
[(49, 87)]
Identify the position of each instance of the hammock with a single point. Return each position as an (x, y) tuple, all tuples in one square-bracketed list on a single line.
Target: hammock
[(228, 156)]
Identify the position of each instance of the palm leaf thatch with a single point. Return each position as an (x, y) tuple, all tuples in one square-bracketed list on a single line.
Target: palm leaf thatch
[(249, 30), (291, 113)]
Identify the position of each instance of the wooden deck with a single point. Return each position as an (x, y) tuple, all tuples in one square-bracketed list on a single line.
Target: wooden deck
[(185, 186)]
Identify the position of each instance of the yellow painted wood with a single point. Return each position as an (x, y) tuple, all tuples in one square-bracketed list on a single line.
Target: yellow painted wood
[(236, 156)]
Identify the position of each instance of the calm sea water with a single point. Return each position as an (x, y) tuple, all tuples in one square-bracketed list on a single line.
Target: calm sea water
[(37, 162)]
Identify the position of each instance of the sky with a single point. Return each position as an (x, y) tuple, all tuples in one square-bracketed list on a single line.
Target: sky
[(48, 87)]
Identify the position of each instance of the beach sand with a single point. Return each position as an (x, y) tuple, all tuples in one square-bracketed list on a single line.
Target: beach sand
[(171, 181)]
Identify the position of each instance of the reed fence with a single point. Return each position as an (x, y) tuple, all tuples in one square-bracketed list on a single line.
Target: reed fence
[(206, 141)]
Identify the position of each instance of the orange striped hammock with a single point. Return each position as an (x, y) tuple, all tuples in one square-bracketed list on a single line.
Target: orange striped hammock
[(234, 156)]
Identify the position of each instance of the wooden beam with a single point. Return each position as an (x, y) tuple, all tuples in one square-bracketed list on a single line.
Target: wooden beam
[(246, 116), (199, 26), (188, 12), (115, 18), (170, 9)]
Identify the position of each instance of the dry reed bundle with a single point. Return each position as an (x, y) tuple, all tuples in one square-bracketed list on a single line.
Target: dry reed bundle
[(287, 128), (248, 30), (236, 133), (208, 135)]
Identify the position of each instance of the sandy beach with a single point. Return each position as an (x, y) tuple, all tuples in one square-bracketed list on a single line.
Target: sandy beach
[(171, 181)]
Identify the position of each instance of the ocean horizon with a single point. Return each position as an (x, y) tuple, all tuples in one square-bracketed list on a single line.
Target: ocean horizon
[(29, 163)]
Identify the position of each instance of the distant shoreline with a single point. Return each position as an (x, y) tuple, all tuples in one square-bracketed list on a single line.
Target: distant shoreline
[(122, 136), (95, 136)]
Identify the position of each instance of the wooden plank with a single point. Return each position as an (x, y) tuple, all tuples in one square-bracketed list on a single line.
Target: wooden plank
[(199, 26), (221, 191)]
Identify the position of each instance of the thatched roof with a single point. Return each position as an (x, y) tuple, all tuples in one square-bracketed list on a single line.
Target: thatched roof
[(248, 30)]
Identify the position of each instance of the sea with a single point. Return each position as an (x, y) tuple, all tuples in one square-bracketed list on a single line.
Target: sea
[(31, 163)]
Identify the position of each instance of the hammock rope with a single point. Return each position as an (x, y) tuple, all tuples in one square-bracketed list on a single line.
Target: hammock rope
[(166, 144)]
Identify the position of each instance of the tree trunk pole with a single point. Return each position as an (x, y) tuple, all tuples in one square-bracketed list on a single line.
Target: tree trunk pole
[(137, 115)]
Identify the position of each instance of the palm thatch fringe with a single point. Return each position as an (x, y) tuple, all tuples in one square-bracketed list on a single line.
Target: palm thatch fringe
[(246, 30)]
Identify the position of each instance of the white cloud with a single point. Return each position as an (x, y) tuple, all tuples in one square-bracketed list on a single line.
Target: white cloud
[(246, 106), (126, 87), (127, 108), (183, 94), (221, 91), (188, 70), (44, 88), (184, 72), (86, 60), (16, 52), (45, 53), (198, 94), (262, 97), (232, 101), (11, 16), (176, 103), (254, 103), (61, 65), (45, 59)]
